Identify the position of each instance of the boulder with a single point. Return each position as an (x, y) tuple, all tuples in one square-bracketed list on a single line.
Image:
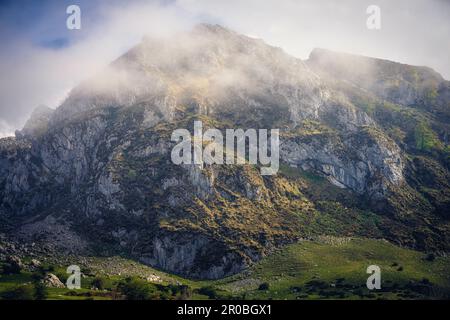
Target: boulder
[(52, 281)]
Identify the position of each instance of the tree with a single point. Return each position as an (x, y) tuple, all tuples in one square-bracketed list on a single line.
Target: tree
[(208, 291), (98, 283), (134, 289), (425, 137), (40, 291), (185, 292)]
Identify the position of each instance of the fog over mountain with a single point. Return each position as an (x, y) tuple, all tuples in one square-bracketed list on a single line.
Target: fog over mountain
[(41, 60), (363, 153), (94, 183)]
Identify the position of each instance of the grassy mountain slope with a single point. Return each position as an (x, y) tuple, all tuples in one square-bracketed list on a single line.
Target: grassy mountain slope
[(325, 268)]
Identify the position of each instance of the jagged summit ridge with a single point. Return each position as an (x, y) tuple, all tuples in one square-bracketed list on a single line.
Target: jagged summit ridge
[(400, 83), (206, 64)]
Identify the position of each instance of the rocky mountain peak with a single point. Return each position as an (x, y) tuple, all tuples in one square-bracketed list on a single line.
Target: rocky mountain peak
[(208, 64), (215, 29), (100, 175), (396, 82)]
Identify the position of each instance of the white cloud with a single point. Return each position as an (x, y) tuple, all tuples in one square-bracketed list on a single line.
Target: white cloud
[(414, 32), (5, 129), (34, 75)]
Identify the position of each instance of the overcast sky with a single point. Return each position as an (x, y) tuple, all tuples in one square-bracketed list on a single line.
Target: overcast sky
[(41, 60)]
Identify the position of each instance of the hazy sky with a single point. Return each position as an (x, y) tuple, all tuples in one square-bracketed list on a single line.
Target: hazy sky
[(41, 60)]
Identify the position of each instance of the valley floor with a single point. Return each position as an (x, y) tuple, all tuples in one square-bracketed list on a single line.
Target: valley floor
[(327, 268)]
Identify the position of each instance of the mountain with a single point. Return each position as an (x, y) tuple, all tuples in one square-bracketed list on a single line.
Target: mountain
[(363, 150)]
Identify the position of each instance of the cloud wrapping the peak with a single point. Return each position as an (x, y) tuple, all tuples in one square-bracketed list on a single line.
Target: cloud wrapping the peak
[(41, 60), (33, 74)]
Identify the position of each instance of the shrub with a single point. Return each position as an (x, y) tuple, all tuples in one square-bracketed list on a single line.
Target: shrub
[(185, 292), (317, 284), (263, 286), (19, 293), (134, 289), (296, 289), (182, 291), (98, 283), (132, 174), (425, 137), (40, 291), (208, 291), (430, 257)]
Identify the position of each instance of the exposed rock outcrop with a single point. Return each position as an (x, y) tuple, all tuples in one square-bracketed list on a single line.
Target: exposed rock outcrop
[(52, 281), (95, 175)]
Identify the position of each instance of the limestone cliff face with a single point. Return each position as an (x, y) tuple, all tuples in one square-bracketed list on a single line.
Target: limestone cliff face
[(368, 168), (98, 168)]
